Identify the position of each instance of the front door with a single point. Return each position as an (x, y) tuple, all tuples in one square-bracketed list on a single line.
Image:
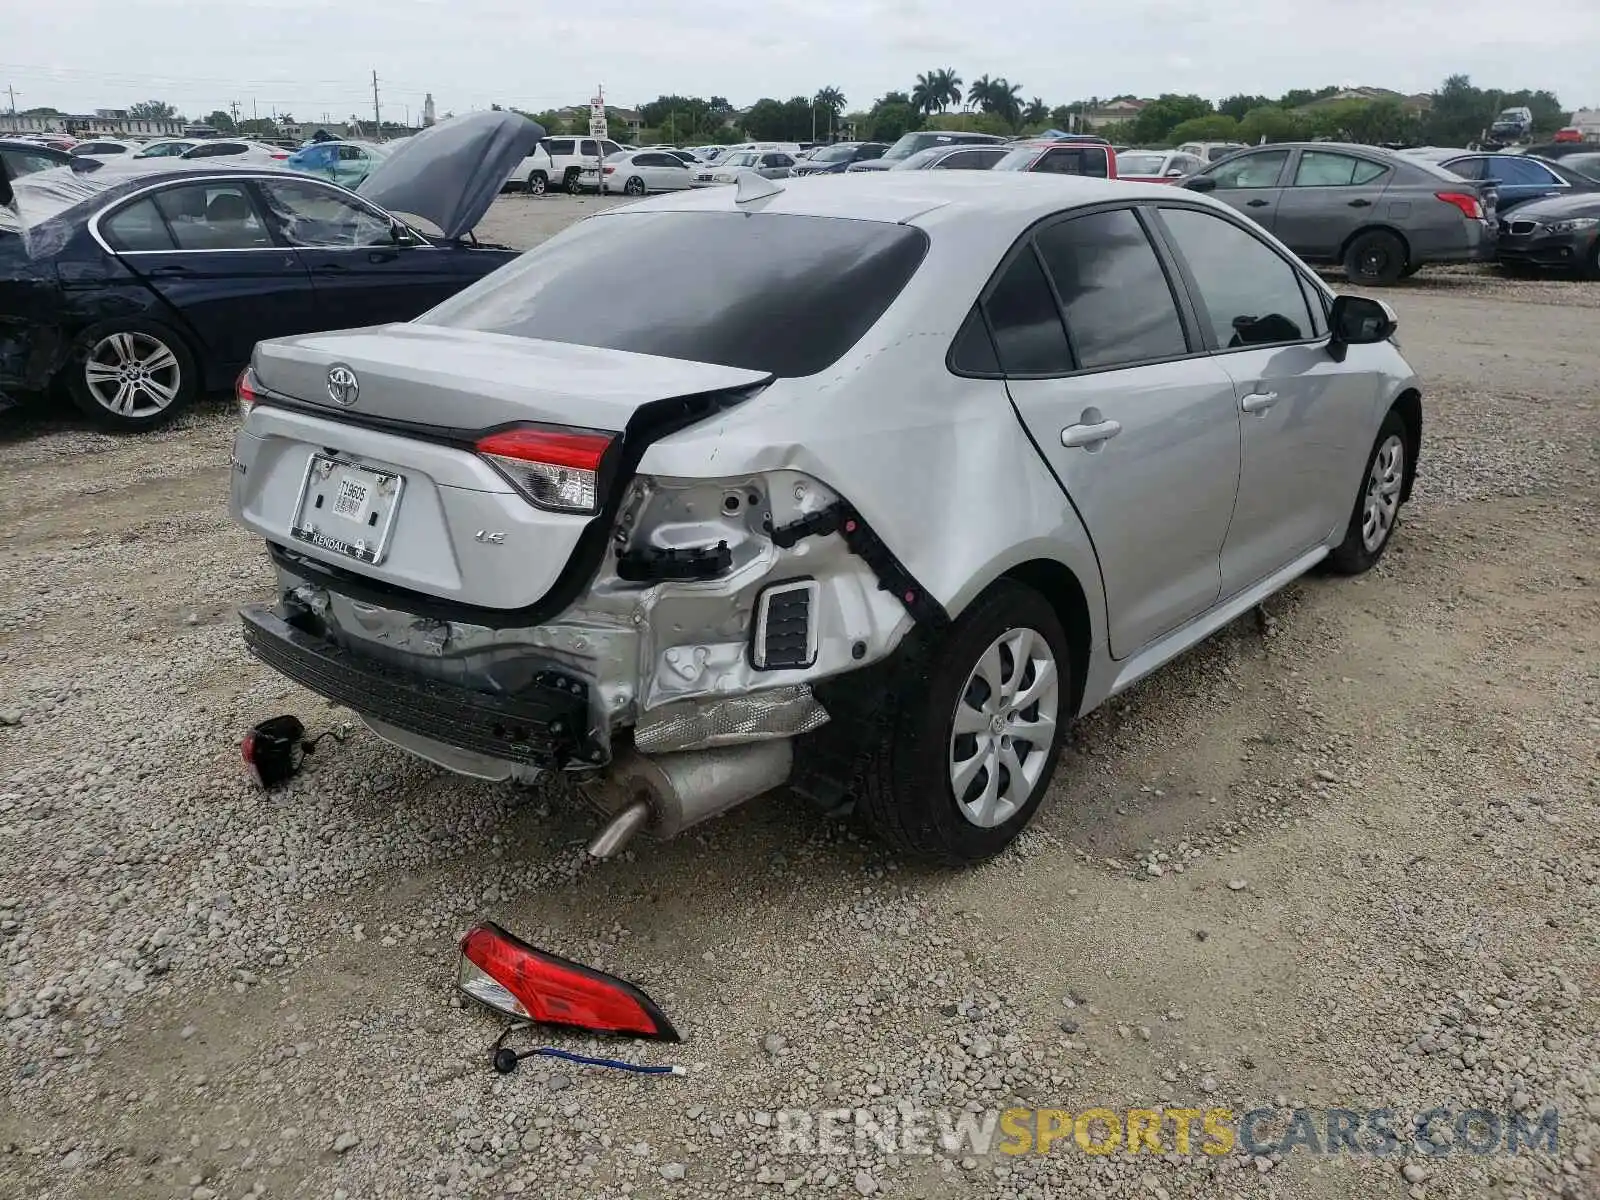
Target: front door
[(361, 274), (1250, 183), (1302, 416), (208, 251), (1142, 434), (1329, 197)]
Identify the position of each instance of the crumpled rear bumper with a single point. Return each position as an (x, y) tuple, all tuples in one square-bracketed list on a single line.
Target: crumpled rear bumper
[(546, 725)]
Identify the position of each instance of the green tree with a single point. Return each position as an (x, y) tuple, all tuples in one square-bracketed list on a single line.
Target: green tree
[(978, 95), (1270, 122), (892, 116), (1212, 128), (1300, 97), (1238, 106), (1548, 115), (1037, 112), (973, 122), (831, 100), (1367, 121), (220, 121), (1061, 116), (766, 120), (153, 110), (1158, 120), (936, 91)]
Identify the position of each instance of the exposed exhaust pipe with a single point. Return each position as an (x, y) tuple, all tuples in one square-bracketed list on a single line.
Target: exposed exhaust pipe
[(670, 792)]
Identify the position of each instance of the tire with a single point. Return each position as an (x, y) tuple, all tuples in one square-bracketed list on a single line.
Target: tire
[(538, 183), (1376, 258), (569, 181), (131, 374), (907, 794), (1589, 268), (634, 187), (1377, 500)]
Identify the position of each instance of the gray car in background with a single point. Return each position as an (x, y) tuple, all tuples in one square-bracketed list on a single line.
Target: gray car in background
[(1379, 214), (952, 158), (932, 463)]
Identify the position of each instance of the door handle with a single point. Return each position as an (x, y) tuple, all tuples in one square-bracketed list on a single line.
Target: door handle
[(1257, 203), (1258, 402), (331, 268), (1361, 204), (1089, 436), (172, 270)]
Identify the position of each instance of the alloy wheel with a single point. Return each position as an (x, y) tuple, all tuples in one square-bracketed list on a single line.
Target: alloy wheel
[(132, 374), (1383, 492), (1003, 728)]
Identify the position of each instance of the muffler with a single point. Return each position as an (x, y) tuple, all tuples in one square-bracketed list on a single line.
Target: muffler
[(668, 793)]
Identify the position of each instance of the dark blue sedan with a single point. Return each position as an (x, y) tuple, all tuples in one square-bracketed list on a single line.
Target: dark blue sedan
[(140, 289), (1519, 178)]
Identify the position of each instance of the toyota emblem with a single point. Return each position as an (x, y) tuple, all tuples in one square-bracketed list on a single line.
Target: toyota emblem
[(343, 386)]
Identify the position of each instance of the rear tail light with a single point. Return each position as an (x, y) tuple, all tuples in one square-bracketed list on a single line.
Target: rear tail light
[(502, 971), (280, 156), (1471, 207), (555, 469), (610, 170), (245, 392)]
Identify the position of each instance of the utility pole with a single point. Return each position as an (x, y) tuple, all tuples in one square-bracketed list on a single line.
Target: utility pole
[(377, 120), (12, 92), (234, 109)]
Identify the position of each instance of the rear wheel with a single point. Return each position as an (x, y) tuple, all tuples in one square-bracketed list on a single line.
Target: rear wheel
[(569, 181), (1376, 257), (538, 183), (1377, 507), (634, 187), (963, 767), (1589, 268), (132, 374)]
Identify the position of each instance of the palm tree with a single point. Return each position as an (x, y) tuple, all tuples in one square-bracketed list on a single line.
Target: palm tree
[(936, 91), (1037, 113), (1005, 99), (978, 95), (831, 99), (922, 94)]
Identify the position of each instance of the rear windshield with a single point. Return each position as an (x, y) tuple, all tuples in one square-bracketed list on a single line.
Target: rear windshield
[(789, 295)]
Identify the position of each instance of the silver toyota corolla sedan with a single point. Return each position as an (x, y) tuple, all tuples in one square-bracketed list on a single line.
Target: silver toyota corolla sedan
[(934, 463)]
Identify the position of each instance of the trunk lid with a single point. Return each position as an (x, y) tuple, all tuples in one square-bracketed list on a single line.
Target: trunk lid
[(407, 501)]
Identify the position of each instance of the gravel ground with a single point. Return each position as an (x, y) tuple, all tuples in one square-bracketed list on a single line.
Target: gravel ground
[(1350, 857)]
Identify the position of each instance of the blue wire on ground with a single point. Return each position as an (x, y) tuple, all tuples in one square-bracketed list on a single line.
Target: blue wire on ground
[(636, 1068)]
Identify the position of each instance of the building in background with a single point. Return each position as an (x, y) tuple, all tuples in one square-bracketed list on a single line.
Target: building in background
[(428, 116), (103, 122)]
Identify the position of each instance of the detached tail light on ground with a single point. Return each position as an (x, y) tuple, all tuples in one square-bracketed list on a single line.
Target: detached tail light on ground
[(504, 973), (554, 469), (1471, 207)]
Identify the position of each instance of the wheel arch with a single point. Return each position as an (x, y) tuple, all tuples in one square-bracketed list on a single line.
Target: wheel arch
[(1408, 406)]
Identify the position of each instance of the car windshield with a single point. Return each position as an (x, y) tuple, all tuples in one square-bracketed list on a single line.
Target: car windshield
[(1587, 165), (833, 153), (920, 160), (747, 158), (1019, 159), (1134, 163), (790, 296), (908, 145)]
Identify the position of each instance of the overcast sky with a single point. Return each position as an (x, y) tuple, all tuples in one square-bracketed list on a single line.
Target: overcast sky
[(311, 58)]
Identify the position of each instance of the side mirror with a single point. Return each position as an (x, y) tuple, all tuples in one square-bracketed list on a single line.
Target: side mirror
[(400, 236), (1200, 183), (1175, 173), (1359, 321)]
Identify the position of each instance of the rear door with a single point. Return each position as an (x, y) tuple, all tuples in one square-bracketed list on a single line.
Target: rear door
[(667, 172), (979, 158), (1519, 179), (206, 248), (1330, 195), (359, 273), (1251, 183), (1138, 425)]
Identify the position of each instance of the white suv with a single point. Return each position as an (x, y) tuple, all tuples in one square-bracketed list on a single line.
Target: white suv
[(560, 162)]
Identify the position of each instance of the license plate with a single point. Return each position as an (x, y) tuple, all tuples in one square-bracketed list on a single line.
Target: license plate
[(347, 509)]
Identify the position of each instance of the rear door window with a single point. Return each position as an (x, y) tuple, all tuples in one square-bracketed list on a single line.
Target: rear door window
[(137, 227), (1259, 170), (1318, 168), (970, 160), (557, 146), (792, 313), (588, 149), (1119, 307), (213, 216), (1029, 338)]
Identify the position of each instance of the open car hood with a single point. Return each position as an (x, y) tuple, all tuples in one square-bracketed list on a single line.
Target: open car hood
[(450, 173)]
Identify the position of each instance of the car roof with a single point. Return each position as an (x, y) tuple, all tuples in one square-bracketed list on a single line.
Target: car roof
[(61, 192), (924, 198)]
